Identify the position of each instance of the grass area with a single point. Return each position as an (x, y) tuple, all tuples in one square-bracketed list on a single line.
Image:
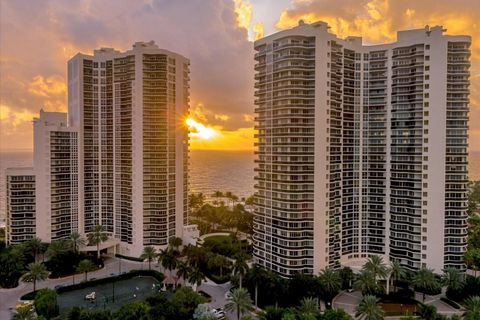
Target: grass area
[(217, 238), (129, 258)]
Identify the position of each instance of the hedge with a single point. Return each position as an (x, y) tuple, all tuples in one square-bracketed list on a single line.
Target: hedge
[(129, 258), (124, 276)]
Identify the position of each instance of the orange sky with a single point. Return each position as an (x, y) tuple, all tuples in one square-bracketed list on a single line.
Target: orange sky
[(38, 37)]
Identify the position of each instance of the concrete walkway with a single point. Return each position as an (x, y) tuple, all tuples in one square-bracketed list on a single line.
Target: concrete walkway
[(350, 300)]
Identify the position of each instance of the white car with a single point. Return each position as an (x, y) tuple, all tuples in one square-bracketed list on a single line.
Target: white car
[(91, 296)]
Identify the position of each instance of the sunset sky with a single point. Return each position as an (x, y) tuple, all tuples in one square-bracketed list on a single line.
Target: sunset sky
[(38, 37)]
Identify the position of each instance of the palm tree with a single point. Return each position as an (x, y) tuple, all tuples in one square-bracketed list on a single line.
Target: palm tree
[(36, 272), (240, 268), (196, 277), (76, 241), (217, 261), (396, 272), (97, 236), (85, 266), (168, 259), (35, 245), (175, 243), (183, 270), (58, 247), (472, 308), (376, 267), (330, 283), (149, 253), (257, 274), (424, 280), (239, 301), (366, 284), (427, 312), (453, 279), (368, 309), (309, 307)]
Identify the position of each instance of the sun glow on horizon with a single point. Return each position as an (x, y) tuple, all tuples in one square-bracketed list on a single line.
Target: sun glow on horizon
[(199, 130)]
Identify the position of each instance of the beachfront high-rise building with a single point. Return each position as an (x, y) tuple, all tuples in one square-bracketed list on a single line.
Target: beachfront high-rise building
[(361, 150), (121, 162)]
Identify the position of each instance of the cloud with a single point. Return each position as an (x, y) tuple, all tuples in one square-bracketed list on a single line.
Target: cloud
[(258, 30), (38, 37)]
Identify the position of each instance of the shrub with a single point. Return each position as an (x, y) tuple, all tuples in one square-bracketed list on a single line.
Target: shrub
[(46, 303)]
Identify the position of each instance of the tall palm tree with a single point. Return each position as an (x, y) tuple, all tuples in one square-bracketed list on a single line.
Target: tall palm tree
[(183, 270), (36, 272), (330, 283), (217, 261), (196, 277), (256, 275), (149, 253), (424, 280), (97, 236), (85, 266), (472, 308), (309, 307), (452, 278), (396, 272), (366, 283), (58, 247), (239, 301), (175, 243), (35, 245), (376, 267), (168, 259), (240, 268), (76, 241), (368, 309)]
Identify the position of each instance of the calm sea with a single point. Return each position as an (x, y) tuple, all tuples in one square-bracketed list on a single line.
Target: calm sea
[(209, 171)]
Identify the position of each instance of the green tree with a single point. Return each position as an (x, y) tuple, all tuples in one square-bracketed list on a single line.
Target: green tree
[(240, 268), (136, 310), (309, 307), (397, 272), (427, 312), (368, 309), (217, 261), (472, 308), (196, 277), (35, 246), (183, 270), (12, 264), (26, 312), (366, 284), (46, 303), (424, 280), (86, 266), (168, 259), (376, 267), (175, 243), (97, 236), (57, 248), (346, 274), (195, 202), (238, 301), (149, 253), (330, 283), (186, 300), (36, 272), (76, 241), (472, 259), (257, 274), (453, 279)]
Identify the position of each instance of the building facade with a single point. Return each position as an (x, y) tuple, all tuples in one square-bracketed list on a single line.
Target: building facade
[(361, 150), (20, 186), (122, 159)]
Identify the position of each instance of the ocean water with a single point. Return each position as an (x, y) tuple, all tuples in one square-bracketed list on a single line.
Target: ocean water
[(209, 171)]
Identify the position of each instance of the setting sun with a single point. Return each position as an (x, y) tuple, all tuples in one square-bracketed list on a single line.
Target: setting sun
[(199, 130)]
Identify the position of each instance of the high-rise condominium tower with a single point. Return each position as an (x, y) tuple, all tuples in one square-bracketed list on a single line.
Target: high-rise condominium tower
[(122, 160), (361, 150)]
